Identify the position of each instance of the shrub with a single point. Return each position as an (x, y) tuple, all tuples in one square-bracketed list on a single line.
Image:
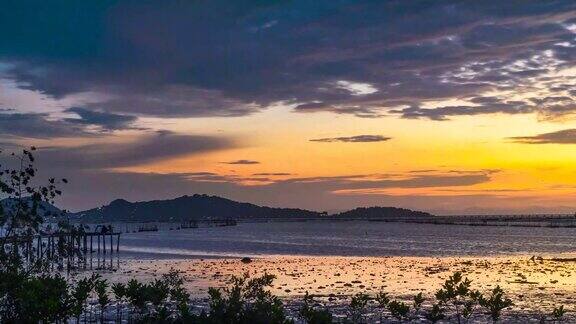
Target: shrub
[(358, 307), (312, 314), (245, 301), (119, 290), (154, 300), (80, 294), (41, 299), (435, 314), (558, 313), (417, 302), (135, 294), (495, 303), (398, 309), (456, 293), (382, 299), (101, 288)]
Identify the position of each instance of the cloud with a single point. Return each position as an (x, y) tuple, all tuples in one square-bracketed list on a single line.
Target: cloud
[(242, 162), (144, 149), (353, 139), (44, 126), (566, 136), (442, 113), (272, 174), (356, 88), (232, 59), (370, 181), (174, 101), (358, 111), (36, 125), (106, 121)]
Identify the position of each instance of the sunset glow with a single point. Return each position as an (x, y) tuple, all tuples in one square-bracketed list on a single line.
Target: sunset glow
[(468, 110)]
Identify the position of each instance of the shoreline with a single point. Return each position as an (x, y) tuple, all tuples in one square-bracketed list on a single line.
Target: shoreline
[(526, 221), (132, 253)]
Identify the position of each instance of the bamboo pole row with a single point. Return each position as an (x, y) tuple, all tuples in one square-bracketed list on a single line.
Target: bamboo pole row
[(68, 247)]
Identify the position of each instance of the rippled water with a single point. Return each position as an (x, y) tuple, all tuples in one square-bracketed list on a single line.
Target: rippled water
[(354, 238)]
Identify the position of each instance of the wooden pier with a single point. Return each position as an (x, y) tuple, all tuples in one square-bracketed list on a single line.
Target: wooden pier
[(71, 248)]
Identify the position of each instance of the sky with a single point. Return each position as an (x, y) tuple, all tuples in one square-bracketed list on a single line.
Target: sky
[(452, 107)]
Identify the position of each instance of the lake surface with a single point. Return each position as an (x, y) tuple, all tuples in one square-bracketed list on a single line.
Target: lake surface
[(348, 238)]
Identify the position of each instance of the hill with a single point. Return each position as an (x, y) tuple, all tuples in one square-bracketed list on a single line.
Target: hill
[(204, 207), (45, 209), (187, 208), (382, 213)]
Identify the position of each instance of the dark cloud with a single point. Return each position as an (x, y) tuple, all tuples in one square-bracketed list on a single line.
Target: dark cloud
[(313, 107), (43, 126), (177, 101), (40, 126), (358, 111), (566, 136), (221, 58), (105, 120), (487, 107), (552, 100), (144, 149), (353, 139), (558, 111), (242, 162), (369, 181)]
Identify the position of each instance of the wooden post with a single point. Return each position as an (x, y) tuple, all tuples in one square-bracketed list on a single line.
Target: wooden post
[(118, 243), (71, 247), (98, 243), (29, 247), (111, 244), (15, 247), (37, 248), (67, 247), (104, 243), (91, 251), (85, 244), (26, 251)]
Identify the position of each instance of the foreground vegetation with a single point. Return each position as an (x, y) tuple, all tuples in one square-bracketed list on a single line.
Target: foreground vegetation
[(50, 298), (30, 292)]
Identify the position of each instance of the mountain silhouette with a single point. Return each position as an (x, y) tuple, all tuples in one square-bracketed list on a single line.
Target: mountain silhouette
[(376, 213), (187, 208), (45, 209), (204, 207)]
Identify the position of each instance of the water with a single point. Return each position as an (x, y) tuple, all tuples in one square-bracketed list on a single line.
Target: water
[(354, 238)]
